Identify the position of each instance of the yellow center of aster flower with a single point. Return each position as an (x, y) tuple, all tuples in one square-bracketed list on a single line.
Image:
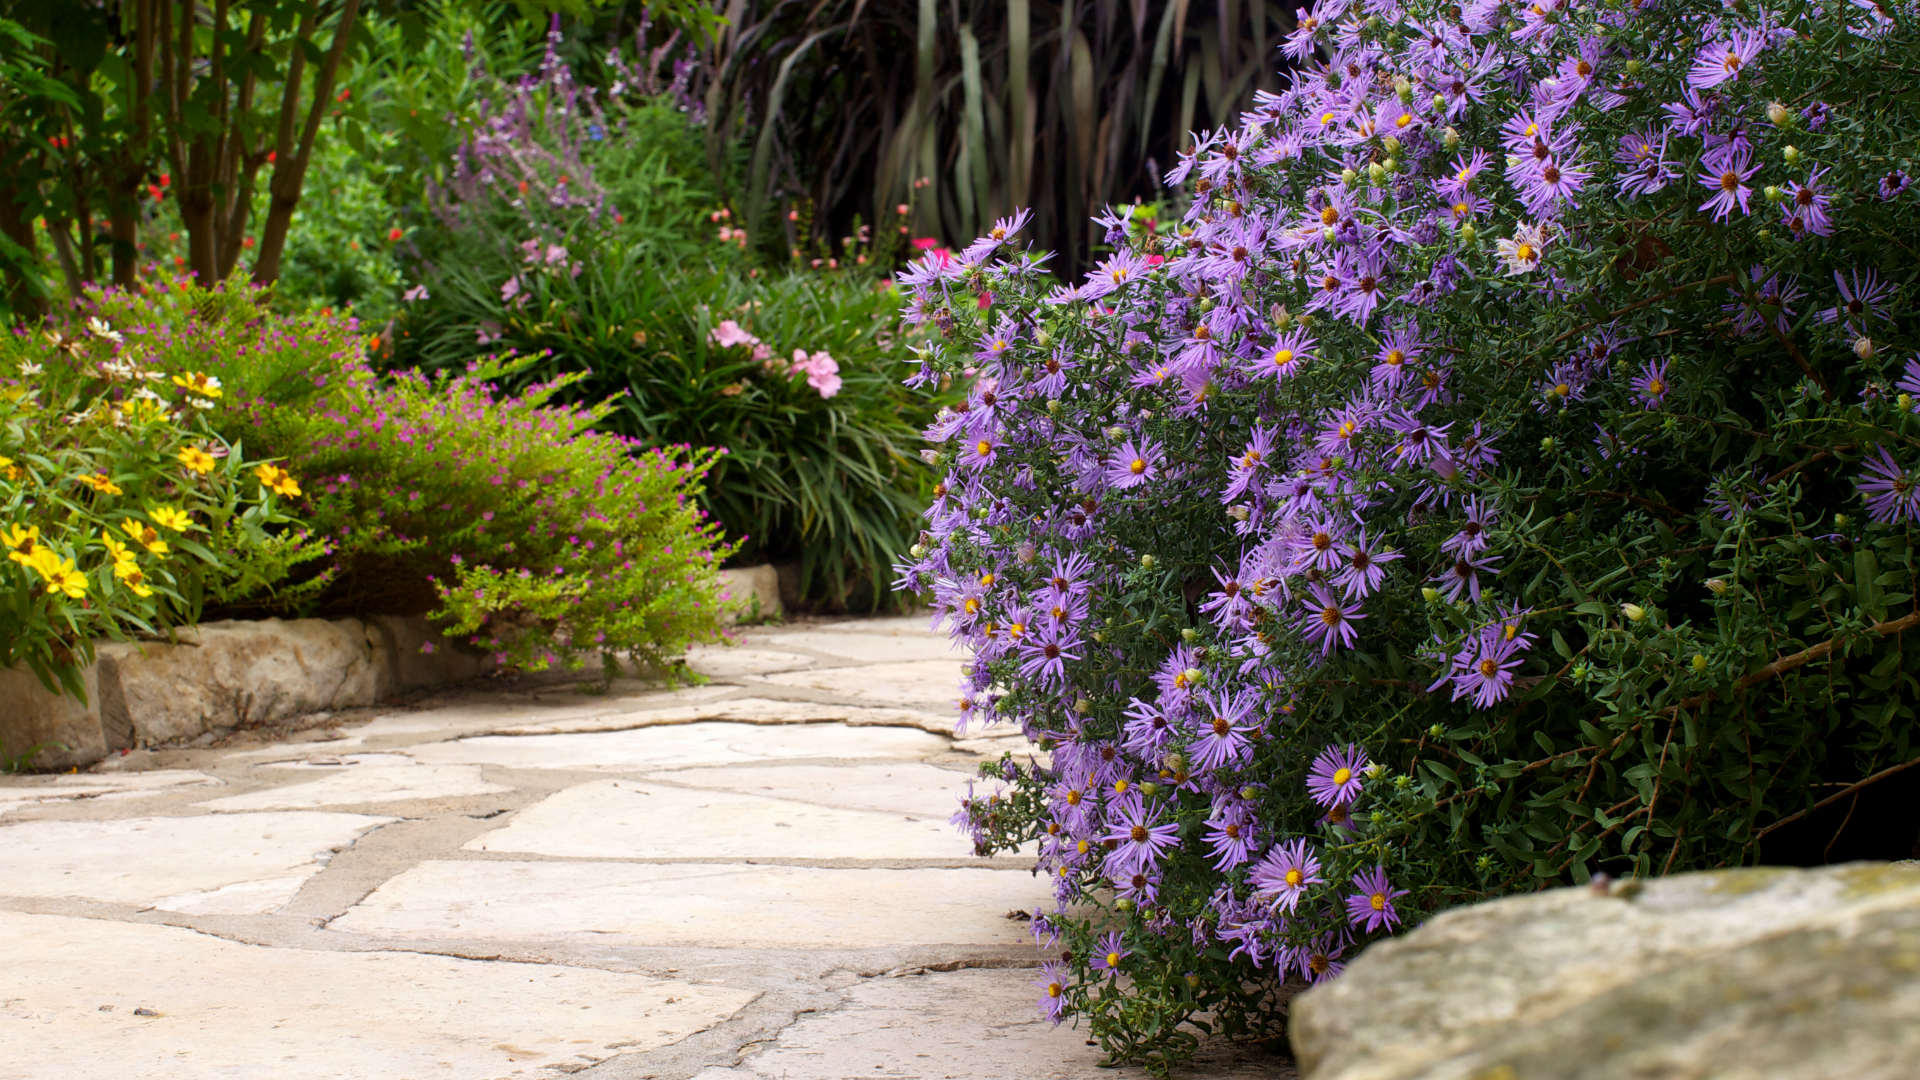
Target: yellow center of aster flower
[(1016, 629), (1137, 466), (972, 605), (1120, 787), (1113, 959), (986, 580), (1341, 777), (1488, 668), (1561, 390), (1138, 833), (1729, 181), (1378, 901), (1081, 847), (1330, 215), (1326, 118), (983, 448), (1523, 252), (1054, 989), (1395, 358), (1330, 616), (1295, 877), (1073, 796), (1656, 385), (1403, 120), (1282, 357)]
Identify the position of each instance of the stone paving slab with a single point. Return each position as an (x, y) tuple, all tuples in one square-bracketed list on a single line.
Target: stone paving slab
[(625, 819), (930, 682), (900, 787), (747, 710), (221, 1009), (354, 783), (948, 1026), (725, 905), (149, 860), (683, 744), (734, 881)]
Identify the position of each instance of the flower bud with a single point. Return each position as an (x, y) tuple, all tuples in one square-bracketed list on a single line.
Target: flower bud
[(1082, 706), (1450, 138), (918, 551), (1239, 511), (1863, 348), (1633, 612), (1430, 594), (1053, 406), (1327, 233), (1147, 562), (1840, 521), (1189, 635), (1773, 194), (1194, 676), (1436, 731), (1043, 338), (1905, 402), (1376, 174), (1116, 433), (1699, 661), (1149, 788), (1249, 792), (1468, 234), (1391, 144), (1392, 166), (1547, 444), (1778, 115), (1791, 155), (1403, 87), (1026, 553), (1175, 762), (1100, 637), (1716, 586), (1348, 176), (1439, 102), (1123, 903)]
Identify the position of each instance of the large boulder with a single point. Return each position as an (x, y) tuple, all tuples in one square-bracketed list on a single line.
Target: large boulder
[(1757, 974)]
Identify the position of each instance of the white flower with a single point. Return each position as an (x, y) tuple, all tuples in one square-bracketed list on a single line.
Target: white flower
[(1522, 252), (30, 368), (100, 329)]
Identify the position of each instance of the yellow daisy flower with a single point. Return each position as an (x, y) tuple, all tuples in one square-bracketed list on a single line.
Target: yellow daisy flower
[(20, 542), (120, 552), (199, 383), (60, 573), (130, 574), (8, 469), (196, 460), (168, 517), (277, 480), (101, 483), (145, 535)]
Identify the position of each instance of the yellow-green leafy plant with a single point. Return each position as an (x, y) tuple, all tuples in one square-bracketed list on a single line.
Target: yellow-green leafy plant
[(121, 511)]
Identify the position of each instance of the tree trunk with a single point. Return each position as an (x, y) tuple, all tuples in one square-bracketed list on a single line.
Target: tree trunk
[(23, 298), (290, 165)]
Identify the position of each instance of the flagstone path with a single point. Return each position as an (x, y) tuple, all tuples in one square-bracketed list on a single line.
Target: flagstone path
[(752, 879)]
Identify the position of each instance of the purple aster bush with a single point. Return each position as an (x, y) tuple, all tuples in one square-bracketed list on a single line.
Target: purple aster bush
[(1506, 470)]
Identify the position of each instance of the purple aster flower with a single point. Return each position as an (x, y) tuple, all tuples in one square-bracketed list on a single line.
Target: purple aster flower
[(1484, 670), (1725, 172), (1647, 169), (1285, 873), (1107, 956), (1370, 906), (1650, 386), (1909, 383), (1365, 568), (1320, 960), (1053, 990), (1720, 61), (1861, 297), (1230, 839), (1134, 463), (1143, 842), (1472, 537), (1464, 574), (1325, 621), (1890, 490), (1045, 654), (1288, 355), (1223, 740), (1334, 779), (1762, 300), (1893, 184), (1805, 208)]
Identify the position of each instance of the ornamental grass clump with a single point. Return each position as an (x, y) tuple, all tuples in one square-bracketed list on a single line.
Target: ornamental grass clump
[(1506, 472)]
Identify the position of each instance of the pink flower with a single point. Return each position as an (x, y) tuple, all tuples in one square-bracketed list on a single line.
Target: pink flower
[(729, 334)]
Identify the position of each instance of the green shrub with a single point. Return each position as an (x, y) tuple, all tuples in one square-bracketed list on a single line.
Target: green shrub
[(123, 510), (586, 236), (528, 534), (1508, 471)]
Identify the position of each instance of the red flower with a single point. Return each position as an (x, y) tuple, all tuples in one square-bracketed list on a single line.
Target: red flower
[(343, 95), (154, 190), (271, 155), (394, 234), (166, 180)]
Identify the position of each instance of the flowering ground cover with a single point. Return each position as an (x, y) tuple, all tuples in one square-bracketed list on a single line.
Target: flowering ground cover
[(1505, 472)]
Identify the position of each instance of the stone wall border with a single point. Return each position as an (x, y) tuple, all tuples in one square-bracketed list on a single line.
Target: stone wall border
[(221, 676)]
